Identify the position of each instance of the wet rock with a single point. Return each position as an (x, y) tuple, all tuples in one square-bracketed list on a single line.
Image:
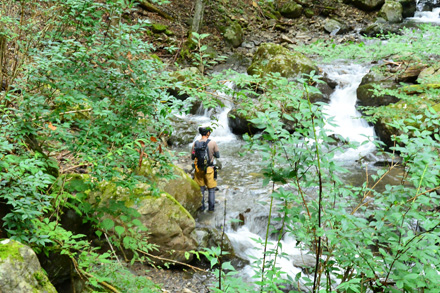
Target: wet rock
[(183, 131), (325, 94), (409, 7), (211, 237), (20, 271), (239, 124), (392, 11)]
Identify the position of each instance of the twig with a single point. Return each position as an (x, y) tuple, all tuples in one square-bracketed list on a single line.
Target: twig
[(76, 111), (171, 261), (414, 198), (111, 246), (372, 188)]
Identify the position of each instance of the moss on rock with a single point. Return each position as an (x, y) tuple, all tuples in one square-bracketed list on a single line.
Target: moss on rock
[(20, 271), (270, 58)]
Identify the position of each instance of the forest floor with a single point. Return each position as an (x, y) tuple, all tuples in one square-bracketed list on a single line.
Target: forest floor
[(251, 17)]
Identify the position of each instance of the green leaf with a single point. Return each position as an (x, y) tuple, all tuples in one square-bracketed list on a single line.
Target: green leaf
[(107, 224), (119, 230)]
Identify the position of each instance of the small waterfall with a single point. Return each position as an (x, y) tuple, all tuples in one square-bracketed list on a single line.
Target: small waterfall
[(427, 12), (218, 121), (342, 109)]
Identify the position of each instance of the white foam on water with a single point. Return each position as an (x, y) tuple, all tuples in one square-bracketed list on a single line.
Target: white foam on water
[(427, 16), (349, 123), (250, 250)]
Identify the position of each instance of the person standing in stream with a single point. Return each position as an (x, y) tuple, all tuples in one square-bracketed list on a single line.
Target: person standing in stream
[(203, 152)]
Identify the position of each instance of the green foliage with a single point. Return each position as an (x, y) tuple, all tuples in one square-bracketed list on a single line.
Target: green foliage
[(368, 240), (124, 280), (84, 86), (423, 43), (202, 59)]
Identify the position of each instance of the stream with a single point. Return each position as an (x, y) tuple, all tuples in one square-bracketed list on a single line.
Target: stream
[(240, 180)]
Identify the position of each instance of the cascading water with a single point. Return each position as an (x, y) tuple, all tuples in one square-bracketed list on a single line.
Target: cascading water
[(240, 182), (427, 12), (342, 108)]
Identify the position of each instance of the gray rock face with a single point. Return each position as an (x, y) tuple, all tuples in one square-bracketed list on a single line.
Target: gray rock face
[(333, 26), (291, 9), (20, 271), (392, 11)]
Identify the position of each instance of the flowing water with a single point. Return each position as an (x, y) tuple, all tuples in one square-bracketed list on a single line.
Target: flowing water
[(423, 16), (240, 179)]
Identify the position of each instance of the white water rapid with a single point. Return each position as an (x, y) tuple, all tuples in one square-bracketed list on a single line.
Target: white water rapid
[(432, 17), (342, 109)]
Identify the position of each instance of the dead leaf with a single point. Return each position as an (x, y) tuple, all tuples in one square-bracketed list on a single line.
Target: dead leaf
[(51, 126)]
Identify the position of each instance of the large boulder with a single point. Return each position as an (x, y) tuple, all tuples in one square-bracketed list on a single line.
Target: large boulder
[(291, 9), (270, 58), (184, 190), (409, 7), (376, 77), (20, 271), (170, 225), (388, 75), (392, 11)]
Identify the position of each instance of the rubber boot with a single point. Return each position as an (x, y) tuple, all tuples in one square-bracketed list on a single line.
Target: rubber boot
[(202, 189), (211, 199)]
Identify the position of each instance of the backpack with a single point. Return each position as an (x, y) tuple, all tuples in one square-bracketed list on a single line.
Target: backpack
[(201, 154)]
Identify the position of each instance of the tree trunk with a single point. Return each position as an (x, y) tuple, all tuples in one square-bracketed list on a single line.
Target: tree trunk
[(198, 16)]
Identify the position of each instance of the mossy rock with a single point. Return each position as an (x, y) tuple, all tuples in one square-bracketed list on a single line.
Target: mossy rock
[(233, 34), (159, 28), (309, 13), (169, 224), (291, 9), (403, 110), (20, 271), (365, 96), (392, 11), (270, 58)]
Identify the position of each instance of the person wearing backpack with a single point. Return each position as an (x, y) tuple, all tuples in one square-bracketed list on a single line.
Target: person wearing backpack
[(203, 152)]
